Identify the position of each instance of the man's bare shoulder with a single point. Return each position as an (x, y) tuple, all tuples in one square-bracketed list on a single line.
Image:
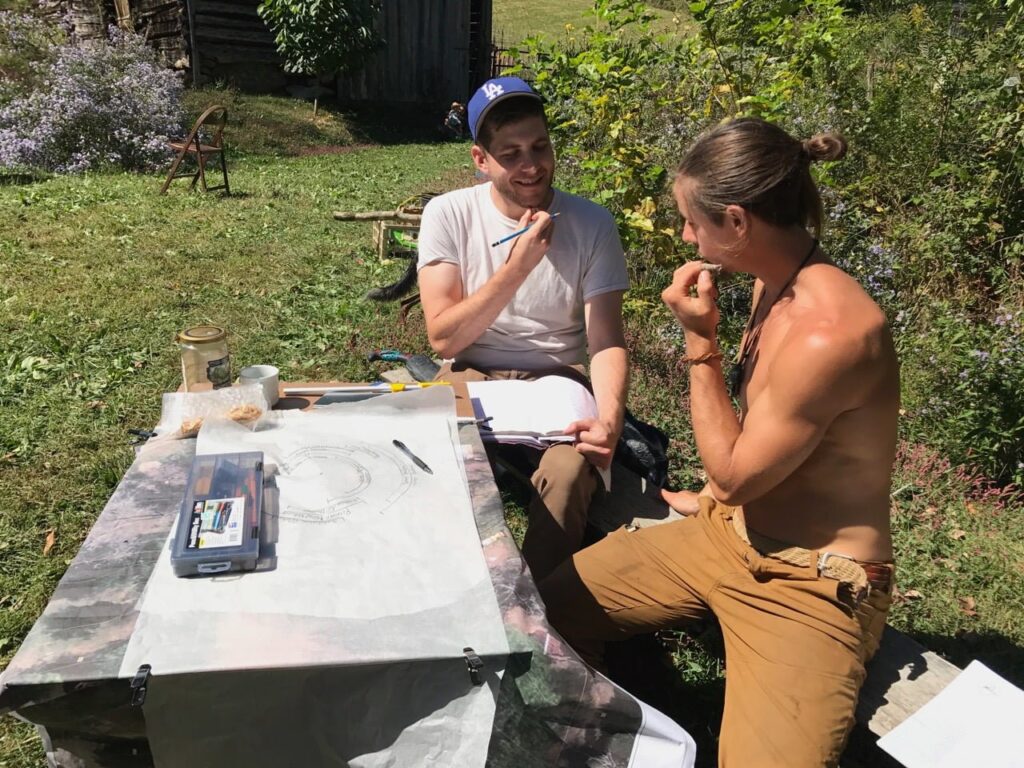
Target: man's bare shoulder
[(838, 335), (832, 310)]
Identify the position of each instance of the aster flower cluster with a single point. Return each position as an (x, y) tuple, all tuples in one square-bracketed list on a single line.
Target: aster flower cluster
[(94, 106)]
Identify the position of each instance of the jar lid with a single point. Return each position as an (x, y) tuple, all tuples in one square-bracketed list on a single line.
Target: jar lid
[(202, 334)]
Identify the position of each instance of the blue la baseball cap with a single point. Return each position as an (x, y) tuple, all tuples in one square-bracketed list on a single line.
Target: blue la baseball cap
[(492, 92)]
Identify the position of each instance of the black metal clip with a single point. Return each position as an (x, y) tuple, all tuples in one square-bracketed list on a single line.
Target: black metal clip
[(474, 664), (140, 436), (139, 683)]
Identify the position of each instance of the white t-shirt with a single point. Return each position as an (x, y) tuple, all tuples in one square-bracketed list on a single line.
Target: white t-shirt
[(543, 325)]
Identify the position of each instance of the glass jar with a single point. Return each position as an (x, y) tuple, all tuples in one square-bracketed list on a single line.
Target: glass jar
[(204, 357)]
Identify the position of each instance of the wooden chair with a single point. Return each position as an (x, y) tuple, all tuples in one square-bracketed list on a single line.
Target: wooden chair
[(214, 117)]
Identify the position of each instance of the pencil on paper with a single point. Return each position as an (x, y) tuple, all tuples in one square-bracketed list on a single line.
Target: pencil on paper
[(518, 232)]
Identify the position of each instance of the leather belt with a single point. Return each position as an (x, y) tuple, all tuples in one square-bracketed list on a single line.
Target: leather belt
[(861, 576)]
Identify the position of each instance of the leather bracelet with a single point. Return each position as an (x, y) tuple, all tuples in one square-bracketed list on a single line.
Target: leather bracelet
[(707, 357)]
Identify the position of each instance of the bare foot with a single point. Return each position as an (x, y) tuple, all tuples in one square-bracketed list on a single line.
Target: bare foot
[(683, 502)]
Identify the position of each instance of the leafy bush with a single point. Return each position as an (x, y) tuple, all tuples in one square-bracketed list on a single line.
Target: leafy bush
[(25, 41), (927, 211), (93, 106)]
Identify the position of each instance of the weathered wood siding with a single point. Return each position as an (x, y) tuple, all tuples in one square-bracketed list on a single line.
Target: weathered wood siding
[(435, 52), (161, 22), (233, 43), (164, 25)]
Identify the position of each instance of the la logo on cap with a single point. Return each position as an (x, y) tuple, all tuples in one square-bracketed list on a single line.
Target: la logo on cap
[(492, 90)]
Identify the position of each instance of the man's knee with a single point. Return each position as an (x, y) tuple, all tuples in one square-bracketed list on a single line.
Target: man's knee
[(562, 466), (565, 483)]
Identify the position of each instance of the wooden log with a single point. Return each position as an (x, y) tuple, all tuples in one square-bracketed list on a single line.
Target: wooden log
[(376, 216)]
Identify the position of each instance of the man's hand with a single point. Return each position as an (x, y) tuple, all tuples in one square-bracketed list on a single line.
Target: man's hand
[(697, 314), (529, 248), (596, 440)]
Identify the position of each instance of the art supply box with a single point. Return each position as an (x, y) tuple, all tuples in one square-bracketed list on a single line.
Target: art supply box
[(219, 522)]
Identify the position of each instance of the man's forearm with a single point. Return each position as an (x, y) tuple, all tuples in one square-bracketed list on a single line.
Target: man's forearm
[(609, 374), (458, 326), (715, 426)]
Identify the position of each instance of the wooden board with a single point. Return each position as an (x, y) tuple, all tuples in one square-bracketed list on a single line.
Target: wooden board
[(902, 677)]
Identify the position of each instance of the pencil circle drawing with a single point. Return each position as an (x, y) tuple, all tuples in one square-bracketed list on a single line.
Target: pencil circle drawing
[(344, 479)]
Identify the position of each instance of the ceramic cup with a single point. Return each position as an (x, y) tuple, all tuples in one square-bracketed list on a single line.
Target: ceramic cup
[(265, 376)]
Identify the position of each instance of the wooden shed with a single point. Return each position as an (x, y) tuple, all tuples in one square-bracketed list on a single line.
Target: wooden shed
[(435, 50)]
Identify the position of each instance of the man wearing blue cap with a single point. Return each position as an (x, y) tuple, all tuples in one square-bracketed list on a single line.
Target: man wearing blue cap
[(536, 304)]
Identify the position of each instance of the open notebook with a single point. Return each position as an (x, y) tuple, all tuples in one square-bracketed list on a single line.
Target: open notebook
[(533, 413)]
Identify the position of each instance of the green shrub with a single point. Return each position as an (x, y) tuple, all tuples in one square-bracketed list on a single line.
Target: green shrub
[(927, 211)]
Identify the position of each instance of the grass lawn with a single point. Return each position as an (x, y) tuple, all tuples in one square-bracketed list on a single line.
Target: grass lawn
[(516, 19), (98, 273)]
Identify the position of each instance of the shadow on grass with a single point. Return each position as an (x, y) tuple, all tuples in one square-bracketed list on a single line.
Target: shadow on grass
[(14, 179), (642, 665), (380, 124)]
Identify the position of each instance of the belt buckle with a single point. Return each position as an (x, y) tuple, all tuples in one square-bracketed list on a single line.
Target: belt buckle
[(859, 595), (823, 560)]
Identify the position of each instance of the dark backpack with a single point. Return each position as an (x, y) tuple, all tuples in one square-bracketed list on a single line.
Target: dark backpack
[(643, 449)]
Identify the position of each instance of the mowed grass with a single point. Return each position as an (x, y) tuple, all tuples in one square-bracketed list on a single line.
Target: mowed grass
[(97, 274), (518, 19)]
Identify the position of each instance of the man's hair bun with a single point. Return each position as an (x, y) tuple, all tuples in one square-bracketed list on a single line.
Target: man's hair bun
[(825, 146)]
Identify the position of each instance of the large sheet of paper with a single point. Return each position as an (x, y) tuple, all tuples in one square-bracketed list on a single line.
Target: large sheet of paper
[(975, 720), (373, 579), (373, 558)]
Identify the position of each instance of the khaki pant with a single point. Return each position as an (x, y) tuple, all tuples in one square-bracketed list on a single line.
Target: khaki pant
[(796, 643), (563, 479)]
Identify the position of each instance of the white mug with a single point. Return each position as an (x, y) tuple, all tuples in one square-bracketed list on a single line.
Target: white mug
[(265, 376)]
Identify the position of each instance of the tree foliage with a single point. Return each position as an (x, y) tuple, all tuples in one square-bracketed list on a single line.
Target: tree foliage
[(319, 37), (927, 210)]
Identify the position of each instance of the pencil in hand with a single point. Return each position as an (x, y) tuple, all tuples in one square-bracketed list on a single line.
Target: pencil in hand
[(517, 233)]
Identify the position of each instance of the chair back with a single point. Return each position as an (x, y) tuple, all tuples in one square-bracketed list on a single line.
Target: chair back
[(215, 117)]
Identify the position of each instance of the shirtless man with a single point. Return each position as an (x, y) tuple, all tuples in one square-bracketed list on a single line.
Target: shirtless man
[(790, 545)]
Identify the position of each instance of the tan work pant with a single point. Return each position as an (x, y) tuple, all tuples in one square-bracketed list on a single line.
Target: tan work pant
[(795, 642), (563, 479)]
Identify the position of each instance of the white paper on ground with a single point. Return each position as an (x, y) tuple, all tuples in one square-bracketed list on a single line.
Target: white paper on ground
[(974, 721)]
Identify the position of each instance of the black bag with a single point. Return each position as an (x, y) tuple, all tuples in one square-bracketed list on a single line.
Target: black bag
[(643, 449)]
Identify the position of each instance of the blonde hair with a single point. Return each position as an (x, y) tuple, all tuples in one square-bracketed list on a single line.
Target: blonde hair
[(755, 164)]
